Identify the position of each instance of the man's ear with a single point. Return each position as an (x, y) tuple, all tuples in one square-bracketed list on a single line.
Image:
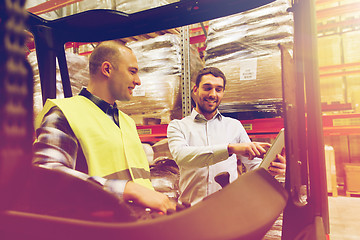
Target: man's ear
[(106, 68), (195, 89), (194, 96)]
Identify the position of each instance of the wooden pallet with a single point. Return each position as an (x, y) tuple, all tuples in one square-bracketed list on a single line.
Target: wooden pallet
[(352, 194)]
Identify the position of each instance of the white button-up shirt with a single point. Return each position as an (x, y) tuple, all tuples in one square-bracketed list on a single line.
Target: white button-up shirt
[(200, 148)]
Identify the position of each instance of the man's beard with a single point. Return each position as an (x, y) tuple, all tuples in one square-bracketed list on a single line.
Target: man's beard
[(204, 110)]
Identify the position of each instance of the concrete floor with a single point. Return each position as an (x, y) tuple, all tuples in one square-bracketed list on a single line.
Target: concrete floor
[(344, 213)]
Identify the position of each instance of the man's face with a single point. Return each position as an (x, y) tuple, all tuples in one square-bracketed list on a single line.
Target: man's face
[(124, 76), (209, 94)]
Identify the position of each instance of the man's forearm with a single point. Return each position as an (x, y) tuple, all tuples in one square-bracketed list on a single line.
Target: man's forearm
[(199, 156)]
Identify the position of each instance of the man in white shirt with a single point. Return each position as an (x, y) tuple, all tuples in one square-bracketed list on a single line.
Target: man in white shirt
[(206, 143)]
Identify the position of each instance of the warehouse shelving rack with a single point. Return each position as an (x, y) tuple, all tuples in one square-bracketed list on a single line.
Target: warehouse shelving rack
[(333, 125)]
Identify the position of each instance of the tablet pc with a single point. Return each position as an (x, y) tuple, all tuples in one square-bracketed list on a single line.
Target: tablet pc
[(275, 149)]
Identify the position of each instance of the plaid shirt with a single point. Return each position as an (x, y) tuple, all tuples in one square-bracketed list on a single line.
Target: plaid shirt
[(58, 148)]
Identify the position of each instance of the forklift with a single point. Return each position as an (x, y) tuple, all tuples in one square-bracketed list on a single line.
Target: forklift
[(38, 203)]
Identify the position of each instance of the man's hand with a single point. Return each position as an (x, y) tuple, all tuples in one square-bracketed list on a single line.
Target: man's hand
[(250, 150), (147, 197), (278, 166)]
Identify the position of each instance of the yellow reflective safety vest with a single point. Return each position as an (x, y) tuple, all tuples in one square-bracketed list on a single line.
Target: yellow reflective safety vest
[(111, 152)]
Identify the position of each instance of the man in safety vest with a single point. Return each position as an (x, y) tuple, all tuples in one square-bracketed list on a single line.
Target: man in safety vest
[(88, 137)]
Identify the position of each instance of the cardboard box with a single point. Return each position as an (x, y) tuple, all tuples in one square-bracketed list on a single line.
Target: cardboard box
[(161, 149), (331, 170), (352, 178)]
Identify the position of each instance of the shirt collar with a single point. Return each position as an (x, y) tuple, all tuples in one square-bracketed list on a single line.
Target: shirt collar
[(198, 116), (104, 106)]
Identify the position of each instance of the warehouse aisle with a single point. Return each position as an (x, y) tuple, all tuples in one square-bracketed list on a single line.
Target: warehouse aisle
[(344, 215)]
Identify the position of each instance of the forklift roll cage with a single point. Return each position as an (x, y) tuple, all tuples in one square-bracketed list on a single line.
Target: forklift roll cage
[(306, 213)]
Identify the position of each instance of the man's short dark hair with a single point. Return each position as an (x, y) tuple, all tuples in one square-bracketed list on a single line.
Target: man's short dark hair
[(210, 70)]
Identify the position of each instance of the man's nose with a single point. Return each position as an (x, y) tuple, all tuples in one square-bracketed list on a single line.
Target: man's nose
[(212, 92), (137, 80)]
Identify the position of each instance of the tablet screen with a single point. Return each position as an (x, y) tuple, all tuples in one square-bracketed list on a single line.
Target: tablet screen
[(275, 149)]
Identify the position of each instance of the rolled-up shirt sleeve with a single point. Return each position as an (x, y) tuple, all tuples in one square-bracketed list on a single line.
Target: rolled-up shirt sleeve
[(201, 153)]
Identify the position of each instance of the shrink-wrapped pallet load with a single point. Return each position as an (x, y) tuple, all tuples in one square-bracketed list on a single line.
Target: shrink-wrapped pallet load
[(78, 73), (159, 96), (245, 47)]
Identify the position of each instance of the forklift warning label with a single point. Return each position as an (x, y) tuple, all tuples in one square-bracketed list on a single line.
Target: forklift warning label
[(144, 131), (248, 69), (248, 126)]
